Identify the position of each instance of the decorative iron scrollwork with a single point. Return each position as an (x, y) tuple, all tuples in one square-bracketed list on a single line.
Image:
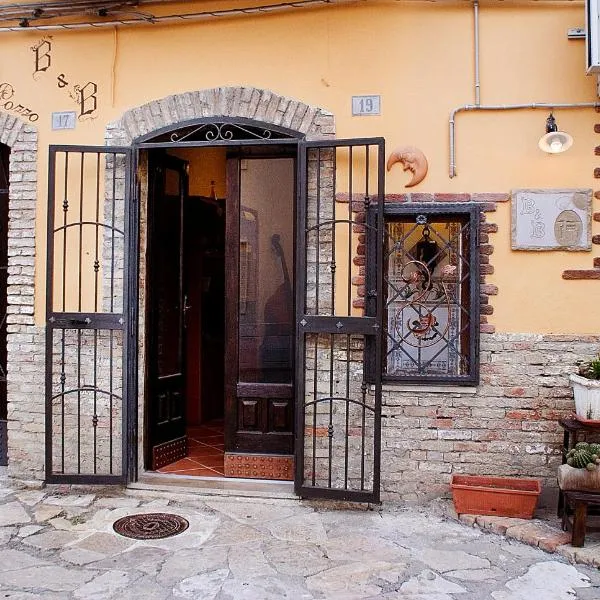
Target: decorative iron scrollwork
[(426, 278), (225, 132)]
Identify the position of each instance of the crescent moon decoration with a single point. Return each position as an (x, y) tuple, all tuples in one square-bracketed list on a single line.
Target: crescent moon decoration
[(413, 160)]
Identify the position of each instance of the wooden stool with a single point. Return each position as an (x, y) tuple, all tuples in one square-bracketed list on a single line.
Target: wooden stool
[(579, 502)]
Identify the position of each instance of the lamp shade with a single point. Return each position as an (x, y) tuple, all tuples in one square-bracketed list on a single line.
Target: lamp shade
[(555, 142)]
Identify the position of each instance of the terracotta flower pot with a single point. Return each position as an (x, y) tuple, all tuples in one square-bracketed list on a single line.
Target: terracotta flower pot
[(499, 496)]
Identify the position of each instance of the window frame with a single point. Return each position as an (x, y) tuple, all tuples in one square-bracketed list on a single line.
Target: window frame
[(396, 211)]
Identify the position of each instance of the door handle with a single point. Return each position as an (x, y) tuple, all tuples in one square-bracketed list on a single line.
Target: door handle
[(186, 308)]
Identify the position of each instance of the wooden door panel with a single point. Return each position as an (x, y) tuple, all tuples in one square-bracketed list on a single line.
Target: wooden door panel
[(166, 336), (249, 414), (259, 307), (280, 416)]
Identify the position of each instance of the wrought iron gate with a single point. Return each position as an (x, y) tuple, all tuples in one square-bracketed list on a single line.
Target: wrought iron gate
[(339, 319), (90, 333)]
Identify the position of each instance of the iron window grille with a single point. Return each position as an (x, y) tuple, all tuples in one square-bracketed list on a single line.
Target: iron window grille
[(431, 294)]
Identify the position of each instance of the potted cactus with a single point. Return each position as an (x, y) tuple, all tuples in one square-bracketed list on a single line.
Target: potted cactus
[(581, 470), (586, 390)]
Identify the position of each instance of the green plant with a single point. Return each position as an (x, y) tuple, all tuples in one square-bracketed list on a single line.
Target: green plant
[(584, 456), (590, 369)]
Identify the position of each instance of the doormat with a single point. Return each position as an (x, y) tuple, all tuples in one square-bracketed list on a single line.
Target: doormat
[(152, 526)]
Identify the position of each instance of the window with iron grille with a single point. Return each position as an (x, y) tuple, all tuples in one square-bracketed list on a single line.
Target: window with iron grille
[(431, 286)]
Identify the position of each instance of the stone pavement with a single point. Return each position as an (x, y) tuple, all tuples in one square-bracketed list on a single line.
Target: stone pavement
[(61, 546)]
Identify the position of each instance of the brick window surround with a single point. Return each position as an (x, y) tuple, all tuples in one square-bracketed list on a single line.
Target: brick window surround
[(487, 202)]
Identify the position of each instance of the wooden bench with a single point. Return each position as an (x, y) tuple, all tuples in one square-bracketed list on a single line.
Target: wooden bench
[(577, 501)]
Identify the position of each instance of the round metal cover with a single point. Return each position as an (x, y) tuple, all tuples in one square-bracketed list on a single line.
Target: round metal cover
[(150, 526)]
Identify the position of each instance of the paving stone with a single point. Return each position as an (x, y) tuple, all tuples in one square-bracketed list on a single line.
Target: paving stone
[(450, 560), (12, 560), (141, 558), (6, 533), (13, 513), (51, 539), (551, 580), (356, 547), (201, 587), (256, 514), (475, 574), (299, 529), (268, 588), (80, 556), (66, 524), (31, 497), (29, 530), (105, 543), (188, 563), (116, 502), (293, 558), (82, 501), (104, 586), (44, 513), (147, 589), (53, 578), (349, 582), (428, 582), (229, 534), (248, 562)]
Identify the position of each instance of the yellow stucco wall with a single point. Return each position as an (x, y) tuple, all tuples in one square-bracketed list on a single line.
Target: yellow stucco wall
[(418, 57)]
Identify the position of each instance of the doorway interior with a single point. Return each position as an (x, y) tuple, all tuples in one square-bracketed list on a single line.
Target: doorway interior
[(219, 314)]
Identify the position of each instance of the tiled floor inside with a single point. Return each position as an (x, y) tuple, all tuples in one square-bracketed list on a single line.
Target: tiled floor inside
[(206, 452)]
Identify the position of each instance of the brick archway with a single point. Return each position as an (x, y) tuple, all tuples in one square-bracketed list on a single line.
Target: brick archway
[(25, 340), (246, 102)]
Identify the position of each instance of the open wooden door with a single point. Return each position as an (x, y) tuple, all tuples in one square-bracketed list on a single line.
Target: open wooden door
[(168, 190), (259, 336)]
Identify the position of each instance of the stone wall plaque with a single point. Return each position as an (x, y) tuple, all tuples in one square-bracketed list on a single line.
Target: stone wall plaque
[(552, 219)]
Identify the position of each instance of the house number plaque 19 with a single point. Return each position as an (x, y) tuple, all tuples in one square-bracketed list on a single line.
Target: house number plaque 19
[(366, 105)]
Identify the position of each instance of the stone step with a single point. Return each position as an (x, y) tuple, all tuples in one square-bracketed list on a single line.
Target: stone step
[(213, 486)]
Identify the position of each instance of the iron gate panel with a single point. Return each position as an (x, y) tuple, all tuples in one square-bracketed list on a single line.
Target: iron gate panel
[(87, 336), (339, 314)]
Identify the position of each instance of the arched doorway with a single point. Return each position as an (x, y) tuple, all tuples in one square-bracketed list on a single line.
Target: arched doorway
[(218, 308)]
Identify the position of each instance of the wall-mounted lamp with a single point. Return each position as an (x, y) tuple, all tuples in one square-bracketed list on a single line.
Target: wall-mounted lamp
[(554, 141)]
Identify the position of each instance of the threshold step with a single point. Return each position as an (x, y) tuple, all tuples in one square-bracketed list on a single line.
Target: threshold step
[(214, 486)]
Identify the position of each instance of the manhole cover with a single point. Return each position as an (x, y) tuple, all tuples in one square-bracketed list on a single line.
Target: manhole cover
[(150, 526)]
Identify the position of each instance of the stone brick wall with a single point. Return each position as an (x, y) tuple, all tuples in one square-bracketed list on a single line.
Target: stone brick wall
[(25, 341), (508, 425)]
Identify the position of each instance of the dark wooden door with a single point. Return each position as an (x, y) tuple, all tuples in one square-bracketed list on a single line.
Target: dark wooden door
[(259, 332), (168, 183)]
